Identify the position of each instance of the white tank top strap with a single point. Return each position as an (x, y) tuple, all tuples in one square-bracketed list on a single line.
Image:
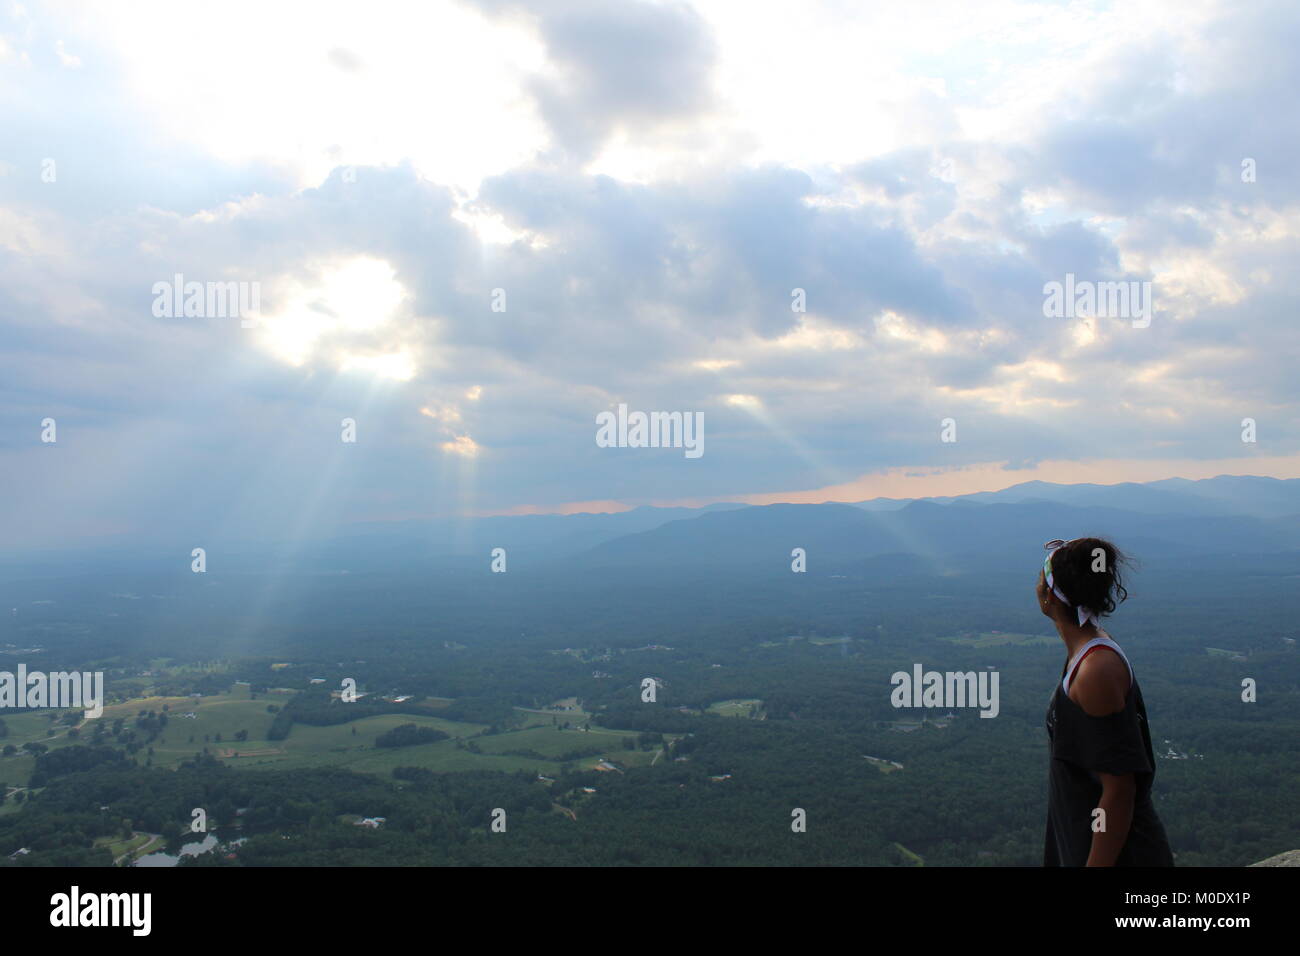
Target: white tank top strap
[(1096, 641)]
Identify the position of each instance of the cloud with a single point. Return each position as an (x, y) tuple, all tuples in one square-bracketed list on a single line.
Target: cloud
[(345, 60), (922, 266), (631, 67)]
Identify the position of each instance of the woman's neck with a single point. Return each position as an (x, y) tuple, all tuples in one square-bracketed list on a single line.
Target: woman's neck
[(1074, 636)]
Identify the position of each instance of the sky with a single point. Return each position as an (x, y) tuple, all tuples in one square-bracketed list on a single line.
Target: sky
[(473, 226)]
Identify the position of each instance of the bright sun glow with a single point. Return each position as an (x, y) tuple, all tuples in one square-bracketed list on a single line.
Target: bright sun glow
[(342, 318), (396, 365)]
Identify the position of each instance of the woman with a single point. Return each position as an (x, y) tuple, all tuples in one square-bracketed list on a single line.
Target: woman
[(1099, 810)]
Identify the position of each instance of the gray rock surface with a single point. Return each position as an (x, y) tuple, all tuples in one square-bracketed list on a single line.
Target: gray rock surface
[(1289, 858)]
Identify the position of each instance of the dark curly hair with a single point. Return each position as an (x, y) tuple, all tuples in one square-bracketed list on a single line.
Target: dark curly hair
[(1089, 571)]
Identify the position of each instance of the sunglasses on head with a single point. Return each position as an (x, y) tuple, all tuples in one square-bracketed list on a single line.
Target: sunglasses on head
[(1051, 547)]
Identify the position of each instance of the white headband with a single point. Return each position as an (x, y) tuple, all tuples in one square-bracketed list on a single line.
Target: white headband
[(1086, 615)]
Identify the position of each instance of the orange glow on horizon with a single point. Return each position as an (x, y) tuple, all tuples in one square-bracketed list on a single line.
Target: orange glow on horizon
[(939, 481)]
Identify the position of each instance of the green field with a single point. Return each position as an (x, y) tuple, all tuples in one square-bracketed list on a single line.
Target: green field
[(544, 715), (219, 718), (884, 766), (338, 746), (135, 845), (552, 742), (741, 707), (912, 858), (999, 638), (44, 727)]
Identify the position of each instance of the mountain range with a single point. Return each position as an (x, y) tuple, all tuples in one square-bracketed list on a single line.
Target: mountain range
[(1175, 517)]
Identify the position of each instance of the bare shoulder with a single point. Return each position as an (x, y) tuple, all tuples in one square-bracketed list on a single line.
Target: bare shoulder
[(1100, 685)]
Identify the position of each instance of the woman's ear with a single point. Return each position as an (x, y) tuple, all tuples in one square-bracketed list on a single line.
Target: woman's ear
[(1044, 595)]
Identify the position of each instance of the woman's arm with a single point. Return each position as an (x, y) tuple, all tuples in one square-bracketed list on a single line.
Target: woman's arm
[(1100, 687), (1117, 794)]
